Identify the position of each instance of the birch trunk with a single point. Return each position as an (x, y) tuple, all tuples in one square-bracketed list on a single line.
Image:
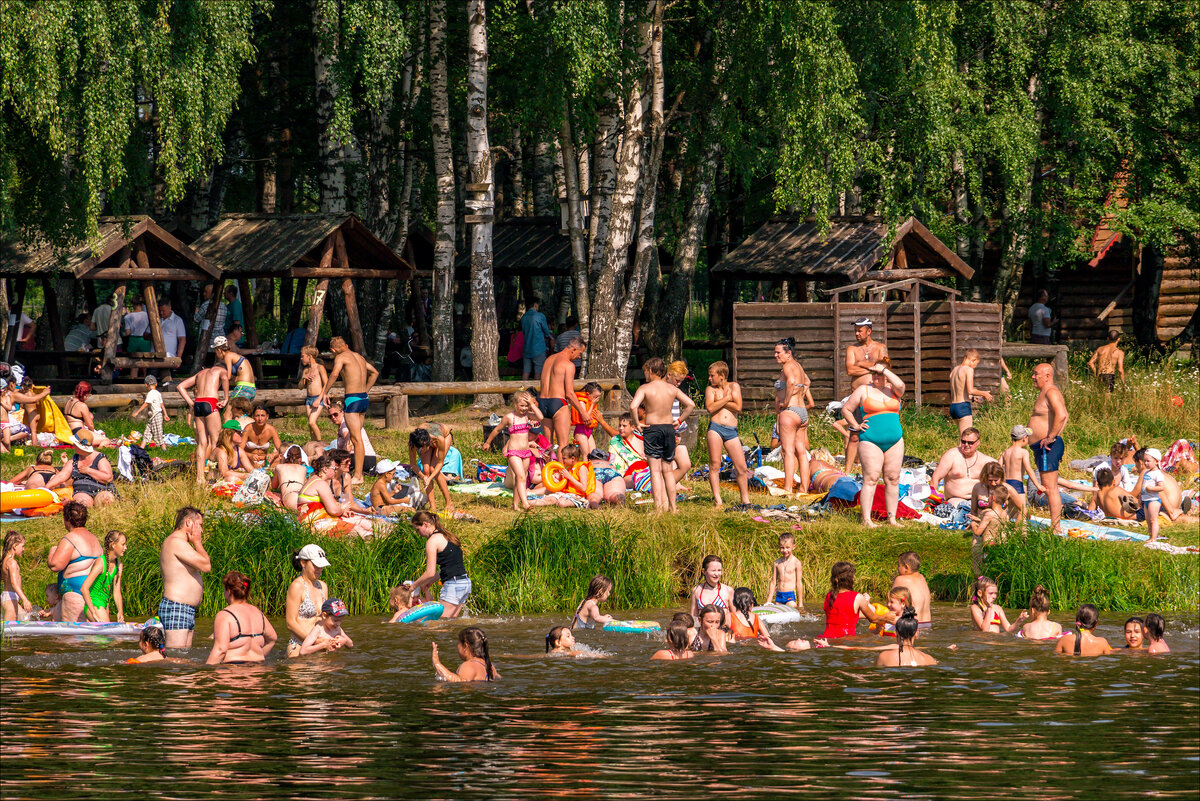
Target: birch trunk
[(331, 173), (604, 183), (579, 262), (543, 180), (485, 336), (443, 165), (516, 174), (1014, 215)]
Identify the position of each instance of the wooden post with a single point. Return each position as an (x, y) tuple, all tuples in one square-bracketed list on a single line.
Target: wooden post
[(150, 296), (396, 414), (56, 332), (293, 320), (10, 345), (343, 262), (838, 363), (318, 305), (900, 262), (953, 334), (114, 322), (1061, 369), (916, 307), (251, 326), (207, 334)]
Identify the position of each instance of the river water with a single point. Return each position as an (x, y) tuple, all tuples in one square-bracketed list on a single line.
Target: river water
[(998, 718)]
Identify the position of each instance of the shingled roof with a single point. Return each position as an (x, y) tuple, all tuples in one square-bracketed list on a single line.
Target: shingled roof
[(525, 245)]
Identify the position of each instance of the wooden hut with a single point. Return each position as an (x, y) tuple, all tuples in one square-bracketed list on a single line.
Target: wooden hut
[(127, 249), (306, 247), (925, 337)]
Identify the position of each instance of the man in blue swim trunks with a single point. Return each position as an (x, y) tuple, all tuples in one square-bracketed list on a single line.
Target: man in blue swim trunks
[(1047, 422), (963, 391), (358, 376)]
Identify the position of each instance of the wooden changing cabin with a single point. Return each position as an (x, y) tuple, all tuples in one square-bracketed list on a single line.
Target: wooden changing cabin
[(133, 248), (926, 328)]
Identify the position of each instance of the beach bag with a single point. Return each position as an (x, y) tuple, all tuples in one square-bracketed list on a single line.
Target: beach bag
[(253, 489), (141, 465)]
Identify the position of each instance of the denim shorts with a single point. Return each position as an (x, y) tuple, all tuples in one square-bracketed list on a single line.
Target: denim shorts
[(456, 590)]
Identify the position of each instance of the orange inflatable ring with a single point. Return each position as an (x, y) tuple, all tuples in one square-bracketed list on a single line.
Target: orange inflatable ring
[(589, 407), (553, 476)]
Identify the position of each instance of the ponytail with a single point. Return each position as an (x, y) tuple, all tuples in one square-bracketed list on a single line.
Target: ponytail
[(477, 645), (424, 516)]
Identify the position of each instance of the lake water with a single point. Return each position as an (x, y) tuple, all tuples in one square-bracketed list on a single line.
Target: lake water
[(999, 718)]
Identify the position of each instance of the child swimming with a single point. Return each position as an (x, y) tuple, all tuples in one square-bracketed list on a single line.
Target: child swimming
[(327, 635), (1084, 642), (401, 601), (1135, 633), (13, 598), (1041, 627), (787, 574), (587, 614), (986, 614), (1155, 627), (710, 634), (843, 605), (518, 423), (153, 644), (898, 599), (744, 624), (905, 654), (561, 642), (476, 662), (677, 643)]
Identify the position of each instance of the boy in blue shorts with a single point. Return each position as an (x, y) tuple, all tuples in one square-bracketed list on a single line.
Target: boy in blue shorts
[(787, 575)]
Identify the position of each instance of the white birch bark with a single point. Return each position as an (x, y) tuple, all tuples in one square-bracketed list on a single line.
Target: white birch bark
[(443, 164), (604, 161), (579, 261), (331, 173)]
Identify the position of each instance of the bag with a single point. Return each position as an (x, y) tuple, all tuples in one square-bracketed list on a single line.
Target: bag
[(253, 489), (142, 465)]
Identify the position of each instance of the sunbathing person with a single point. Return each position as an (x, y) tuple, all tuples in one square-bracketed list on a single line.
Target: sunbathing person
[(289, 476), (322, 511)]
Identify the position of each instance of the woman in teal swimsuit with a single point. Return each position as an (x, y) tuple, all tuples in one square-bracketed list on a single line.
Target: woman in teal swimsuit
[(104, 580), (881, 439), (73, 570)]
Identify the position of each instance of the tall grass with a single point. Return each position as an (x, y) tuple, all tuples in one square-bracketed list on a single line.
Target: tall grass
[(1113, 576)]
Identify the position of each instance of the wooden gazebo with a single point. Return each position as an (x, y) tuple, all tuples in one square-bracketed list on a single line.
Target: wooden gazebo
[(306, 247), (127, 249)]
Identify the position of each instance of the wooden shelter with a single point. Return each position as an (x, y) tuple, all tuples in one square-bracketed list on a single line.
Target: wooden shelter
[(128, 248), (307, 247)]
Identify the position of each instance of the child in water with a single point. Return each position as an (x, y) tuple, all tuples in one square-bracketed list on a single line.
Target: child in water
[(905, 654), (1041, 627), (327, 635), (402, 600), (476, 662), (1155, 627), (1135, 634), (986, 614), (898, 599), (12, 599), (561, 642), (746, 625), (692, 626), (1084, 641), (153, 644), (677, 643), (53, 602), (587, 614), (787, 574), (711, 634), (843, 605)]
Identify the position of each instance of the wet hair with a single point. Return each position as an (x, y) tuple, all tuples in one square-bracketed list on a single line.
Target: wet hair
[(686, 618), (720, 368), (910, 560), (320, 464), (841, 577), (598, 586), (787, 536), (155, 638), (293, 448), (573, 452), (424, 516), (743, 601), (44, 457), (309, 350), (1087, 616), (787, 343), (237, 585), (902, 593), (477, 646), (339, 455), (82, 390), (1154, 626), (1104, 477), (704, 610), (1141, 623), (677, 639), (654, 366), (554, 636), (591, 387), (418, 439), (991, 470), (75, 514), (906, 628), (981, 585), (1039, 599), (971, 430), (400, 596), (11, 540)]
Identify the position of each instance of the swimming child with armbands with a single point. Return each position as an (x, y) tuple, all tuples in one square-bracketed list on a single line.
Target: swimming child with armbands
[(986, 614), (1155, 627), (561, 642), (587, 614), (476, 661), (12, 599), (1041, 627), (153, 644), (327, 635), (744, 624), (787, 574), (710, 634)]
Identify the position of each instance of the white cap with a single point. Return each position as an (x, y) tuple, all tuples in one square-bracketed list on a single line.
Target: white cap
[(220, 342), (1155, 452), (384, 466), (863, 322), (313, 553)]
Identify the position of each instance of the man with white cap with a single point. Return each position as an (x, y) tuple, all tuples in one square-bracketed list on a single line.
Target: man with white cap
[(860, 358), (211, 388)]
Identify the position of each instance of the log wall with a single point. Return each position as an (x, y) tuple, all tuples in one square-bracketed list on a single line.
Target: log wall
[(1179, 293)]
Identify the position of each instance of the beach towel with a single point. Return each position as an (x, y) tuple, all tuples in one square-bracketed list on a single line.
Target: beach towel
[(53, 420), (1179, 451)]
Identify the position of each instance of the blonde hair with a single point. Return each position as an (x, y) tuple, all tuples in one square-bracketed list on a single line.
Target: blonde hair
[(309, 350), (677, 369), (720, 368), (401, 598), (517, 397), (902, 593)]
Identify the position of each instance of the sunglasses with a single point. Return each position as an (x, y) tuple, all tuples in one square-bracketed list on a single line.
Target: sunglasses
[(969, 441)]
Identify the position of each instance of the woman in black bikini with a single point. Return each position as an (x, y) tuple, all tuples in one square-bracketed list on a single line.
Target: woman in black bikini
[(37, 474), (241, 632), (289, 476)]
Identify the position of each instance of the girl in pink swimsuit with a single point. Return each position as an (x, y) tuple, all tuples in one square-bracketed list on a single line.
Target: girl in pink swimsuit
[(520, 456)]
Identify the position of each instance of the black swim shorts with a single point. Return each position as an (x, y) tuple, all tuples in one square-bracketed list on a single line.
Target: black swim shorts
[(550, 406), (660, 442)]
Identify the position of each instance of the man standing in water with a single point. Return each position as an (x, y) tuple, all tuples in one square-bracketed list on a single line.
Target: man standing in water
[(358, 376), (659, 397), (184, 563), (206, 415), (1047, 422), (962, 390), (860, 358), (557, 394)]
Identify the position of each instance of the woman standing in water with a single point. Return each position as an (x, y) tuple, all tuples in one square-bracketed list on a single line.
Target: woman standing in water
[(904, 653), (241, 632), (710, 590), (444, 561), (305, 596), (792, 402)]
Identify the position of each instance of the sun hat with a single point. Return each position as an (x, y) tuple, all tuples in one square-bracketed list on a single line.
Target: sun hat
[(384, 466), (220, 342), (335, 607), (1020, 432), (80, 445), (313, 553)]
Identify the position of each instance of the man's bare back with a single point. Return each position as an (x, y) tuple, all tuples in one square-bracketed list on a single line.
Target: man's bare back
[(212, 382), (558, 377)]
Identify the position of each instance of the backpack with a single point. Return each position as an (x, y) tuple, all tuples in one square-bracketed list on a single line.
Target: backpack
[(142, 466)]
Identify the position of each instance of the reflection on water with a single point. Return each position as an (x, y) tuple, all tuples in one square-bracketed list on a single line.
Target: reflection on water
[(999, 718)]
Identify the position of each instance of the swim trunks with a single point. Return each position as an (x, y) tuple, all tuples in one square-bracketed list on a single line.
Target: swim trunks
[(785, 598), (1018, 486), (1048, 458), (800, 412), (203, 407), (313, 401), (244, 389), (550, 406), (960, 410), (357, 403), (925, 625), (1109, 380), (660, 442), (726, 433), (176, 616)]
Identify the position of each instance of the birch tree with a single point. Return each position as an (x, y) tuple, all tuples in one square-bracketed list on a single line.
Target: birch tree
[(442, 325)]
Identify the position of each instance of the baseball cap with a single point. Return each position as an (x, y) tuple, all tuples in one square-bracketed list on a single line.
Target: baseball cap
[(335, 607), (151, 380), (1020, 432), (863, 321), (233, 424), (313, 553), (1155, 452), (384, 466), (220, 342)]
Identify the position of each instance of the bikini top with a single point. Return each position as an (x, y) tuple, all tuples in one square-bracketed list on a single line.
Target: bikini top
[(872, 405), (70, 405), (81, 557), (238, 365), (240, 635), (305, 497), (518, 428), (718, 602), (307, 608)]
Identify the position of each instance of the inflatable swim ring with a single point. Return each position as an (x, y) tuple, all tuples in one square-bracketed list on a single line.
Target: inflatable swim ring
[(555, 481), (777, 613), (429, 611), (878, 609), (633, 626), (27, 499)]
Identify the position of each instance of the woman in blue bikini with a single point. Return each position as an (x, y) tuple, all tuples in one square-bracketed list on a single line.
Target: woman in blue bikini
[(72, 559), (881, 439)]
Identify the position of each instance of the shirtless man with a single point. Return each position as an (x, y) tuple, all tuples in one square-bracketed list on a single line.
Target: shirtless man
[(184, 563), (241, 373), (658, 429), (1047, 422), (860, 358), (358, 376), (908, 575), (960, 468), (962, 390), (211, 386), (261, 435), (1109, 360), (557, 394)]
